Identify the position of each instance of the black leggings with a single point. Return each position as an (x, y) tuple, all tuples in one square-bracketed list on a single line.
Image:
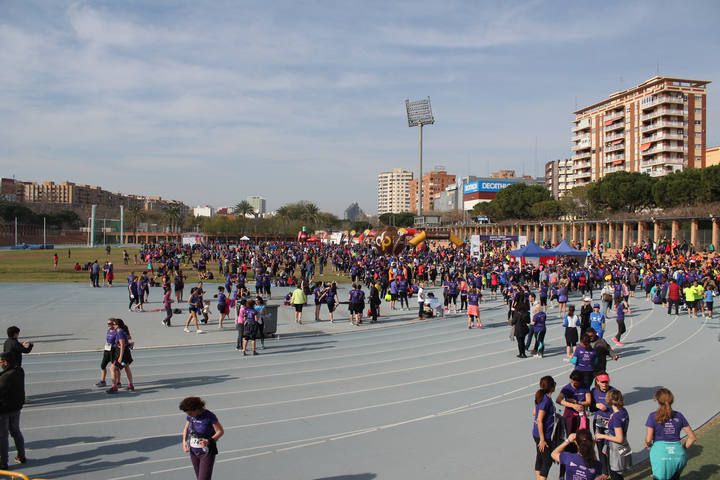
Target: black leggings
[(621, 329)]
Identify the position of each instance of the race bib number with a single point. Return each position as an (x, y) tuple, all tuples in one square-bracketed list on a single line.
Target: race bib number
[(108, 347), (195, 442)]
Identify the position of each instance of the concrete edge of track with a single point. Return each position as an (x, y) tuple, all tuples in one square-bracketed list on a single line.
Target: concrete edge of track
[(292, 335)]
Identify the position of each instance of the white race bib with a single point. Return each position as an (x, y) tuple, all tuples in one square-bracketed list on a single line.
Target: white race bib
[(195, 442), (108, 347)]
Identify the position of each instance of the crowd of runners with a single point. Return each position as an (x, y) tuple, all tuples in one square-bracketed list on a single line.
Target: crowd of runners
[(591, 298)]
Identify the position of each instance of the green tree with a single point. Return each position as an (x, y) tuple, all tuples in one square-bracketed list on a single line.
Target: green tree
[(403, 219), (515, 201), (547, 209), (244, 208), (172, 212), (622, 191), (576, 202), (136, 214)]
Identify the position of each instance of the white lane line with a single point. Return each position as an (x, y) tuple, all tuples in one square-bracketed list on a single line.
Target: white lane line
[(353, 366), (127, 476), (394, 340), (245, 367)]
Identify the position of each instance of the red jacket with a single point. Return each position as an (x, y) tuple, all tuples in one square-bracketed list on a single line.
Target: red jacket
[(673, 291)]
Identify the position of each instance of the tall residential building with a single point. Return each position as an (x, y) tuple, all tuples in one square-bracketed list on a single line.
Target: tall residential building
[(712, 156), (434, 182), (559, 177), (258, 205), (393, 191), (657, 127)]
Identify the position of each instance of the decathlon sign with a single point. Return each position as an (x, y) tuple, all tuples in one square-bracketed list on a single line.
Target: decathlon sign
[(488, 186)]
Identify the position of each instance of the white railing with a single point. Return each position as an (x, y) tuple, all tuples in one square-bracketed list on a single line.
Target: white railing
[(662, 136), (663, 160), (662, 112), (660, 100), (614, 136), (580, 156), (615, 148), (613, 158), (614, 126), (614, 115), (665, 124)]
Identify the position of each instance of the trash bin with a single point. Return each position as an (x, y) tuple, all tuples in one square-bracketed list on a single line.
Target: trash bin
[(270, 320)]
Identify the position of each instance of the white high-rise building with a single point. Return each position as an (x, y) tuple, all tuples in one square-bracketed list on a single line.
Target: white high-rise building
[(394, 191), (258, 205)]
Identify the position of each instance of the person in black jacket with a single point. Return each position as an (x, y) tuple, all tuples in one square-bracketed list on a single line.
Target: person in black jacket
[(374, 302), (12, 399), (521, 320), (14, 347)]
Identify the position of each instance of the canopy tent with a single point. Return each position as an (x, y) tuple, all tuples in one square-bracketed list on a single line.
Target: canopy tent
[(244, 238), (532, 249), (565, 250)]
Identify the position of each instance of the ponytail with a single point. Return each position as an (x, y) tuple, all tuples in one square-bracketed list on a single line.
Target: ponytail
[(665, 399), (547, 386)]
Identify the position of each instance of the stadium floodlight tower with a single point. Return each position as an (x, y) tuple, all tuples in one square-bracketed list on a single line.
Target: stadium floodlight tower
[(419, 114)]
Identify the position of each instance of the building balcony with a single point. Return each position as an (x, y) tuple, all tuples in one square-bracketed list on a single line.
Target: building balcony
[(649, 102), (661, 147), (583, 124), (616, 168), (615, 148), (614, 115), (581, 137), (661, 112), (581, 156), (580, 176), (664, 160), (582, 145), (615, 126), (662, 124), (609, 137), (663, 136), (661, 172), (614, 158)]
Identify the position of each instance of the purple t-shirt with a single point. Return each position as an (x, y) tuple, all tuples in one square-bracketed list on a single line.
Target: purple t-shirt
[(571, 393), (585, 359), (575, 468), (668, 431), (202, 426), (621, 419), (110, 336), (473, 298), (539, 320), (546, 405)]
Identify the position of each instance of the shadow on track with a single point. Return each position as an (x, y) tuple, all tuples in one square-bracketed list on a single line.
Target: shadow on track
[(354, 476), (87, 394)]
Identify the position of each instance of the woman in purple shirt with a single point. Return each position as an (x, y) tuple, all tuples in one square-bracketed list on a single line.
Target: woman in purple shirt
[(582, 465), (584, 359), (200, 435), (544, 418), (616, 430), (667, 455)]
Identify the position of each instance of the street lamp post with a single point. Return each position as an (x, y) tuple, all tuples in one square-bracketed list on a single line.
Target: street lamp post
[(419, 114)]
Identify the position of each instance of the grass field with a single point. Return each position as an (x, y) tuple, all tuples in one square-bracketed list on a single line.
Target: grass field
[(37, 266)]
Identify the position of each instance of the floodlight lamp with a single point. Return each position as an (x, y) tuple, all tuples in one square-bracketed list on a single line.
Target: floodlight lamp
[(419, 112)]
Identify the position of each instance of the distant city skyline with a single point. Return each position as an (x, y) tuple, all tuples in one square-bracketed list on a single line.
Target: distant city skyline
[(211, 102)]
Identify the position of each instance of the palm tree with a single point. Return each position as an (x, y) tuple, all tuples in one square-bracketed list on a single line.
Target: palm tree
[(136, 214), (244, 208), (173, 215)]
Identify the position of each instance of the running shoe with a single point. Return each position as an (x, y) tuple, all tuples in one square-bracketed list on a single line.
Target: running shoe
[(619, 344), (101, 383), (131, 387), (200, 331), (112, 390), (21, 460), (186, 330), (255, 353)]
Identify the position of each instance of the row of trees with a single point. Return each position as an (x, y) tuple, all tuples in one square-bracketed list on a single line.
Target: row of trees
[(617, 192), (9, 211)]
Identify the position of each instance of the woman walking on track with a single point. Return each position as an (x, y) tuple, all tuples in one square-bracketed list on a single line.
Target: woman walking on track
[(200, 435), (667, 453), (473, 309), (122, 358), (570, 323), (544, 416), (107, 352), (298, 300)]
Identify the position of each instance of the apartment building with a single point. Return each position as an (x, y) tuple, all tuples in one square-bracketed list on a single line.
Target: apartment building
[(559, 177), (258, 204), (393, 191), (657, 127), (434, 182)]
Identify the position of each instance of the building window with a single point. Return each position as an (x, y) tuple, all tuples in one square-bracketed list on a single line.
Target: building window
[(698, 98), (698, 122)]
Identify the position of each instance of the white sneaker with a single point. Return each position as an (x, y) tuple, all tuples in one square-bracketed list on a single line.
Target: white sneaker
[(186, 330), (199, 331)]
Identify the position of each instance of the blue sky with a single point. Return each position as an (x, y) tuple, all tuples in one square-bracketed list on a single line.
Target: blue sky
[(212, 101)]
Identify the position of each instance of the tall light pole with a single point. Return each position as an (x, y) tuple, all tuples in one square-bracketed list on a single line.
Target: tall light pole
[(419, 114)]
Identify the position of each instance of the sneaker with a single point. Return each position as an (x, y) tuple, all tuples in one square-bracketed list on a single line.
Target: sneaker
[(112, 390), (186, 330), (614, 339), (21, 460), (244, 353), (101, 383), (199, 331), (131, 387), (619, 344), (566, 360), (255, 353)]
